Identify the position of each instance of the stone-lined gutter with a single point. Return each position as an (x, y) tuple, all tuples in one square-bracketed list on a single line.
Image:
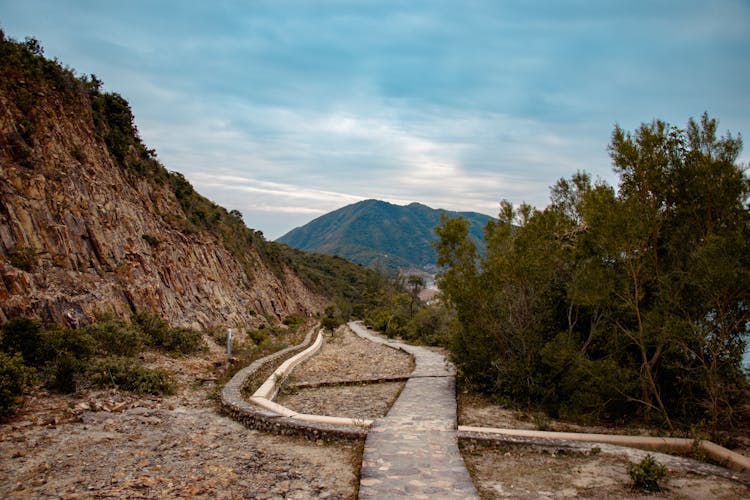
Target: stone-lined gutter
[(262, 414)]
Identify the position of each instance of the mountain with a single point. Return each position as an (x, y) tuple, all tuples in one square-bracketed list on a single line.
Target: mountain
[(91, 221), (374, 232)]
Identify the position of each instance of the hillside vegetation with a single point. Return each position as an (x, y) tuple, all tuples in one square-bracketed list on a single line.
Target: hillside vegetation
[(620, 303), (379, 234)]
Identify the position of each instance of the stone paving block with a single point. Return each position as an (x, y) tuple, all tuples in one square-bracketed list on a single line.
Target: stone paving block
[(413, 451)]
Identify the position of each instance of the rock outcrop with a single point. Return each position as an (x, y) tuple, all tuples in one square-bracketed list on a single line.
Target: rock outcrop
[(81, 232)]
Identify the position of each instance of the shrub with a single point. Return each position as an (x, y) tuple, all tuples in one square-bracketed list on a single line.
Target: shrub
[(294, 321), (182, 340), (125, 373), (64, 372), (26, 337), (115, 337), (257, 336), (14, 378), (157, 333), (646, 474), (150, 324), (70, 349), (432, 325), (24, 258)]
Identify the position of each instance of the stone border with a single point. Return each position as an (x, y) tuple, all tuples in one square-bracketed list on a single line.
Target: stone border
[(724, 457), (357, 381), (281, 420), (255, 417)]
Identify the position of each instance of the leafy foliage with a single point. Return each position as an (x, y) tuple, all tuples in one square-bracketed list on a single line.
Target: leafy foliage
[(14, 378), (646, 474), (102, 353), (125, 373), (115, 337), (25, 337), (614, 302), (157, 333), (24, 258)]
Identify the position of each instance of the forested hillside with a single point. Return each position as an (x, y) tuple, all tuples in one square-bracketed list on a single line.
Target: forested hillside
[(616, 302), (374, 232)]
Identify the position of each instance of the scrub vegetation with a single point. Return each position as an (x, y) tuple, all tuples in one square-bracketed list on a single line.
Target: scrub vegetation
[(615, 303)]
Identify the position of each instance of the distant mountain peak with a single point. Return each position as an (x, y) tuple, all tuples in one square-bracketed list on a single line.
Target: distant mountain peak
[(378, 233)]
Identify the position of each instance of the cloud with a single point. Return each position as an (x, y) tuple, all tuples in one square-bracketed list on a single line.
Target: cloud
[(286, 109)]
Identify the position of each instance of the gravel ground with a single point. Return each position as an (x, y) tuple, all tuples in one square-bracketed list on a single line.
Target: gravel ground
[(353, 401), (528, 472), (112, 444), (347, 357), (531, 472), (344, 359)]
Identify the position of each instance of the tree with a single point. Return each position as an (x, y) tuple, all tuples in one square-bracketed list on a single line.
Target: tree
[(415, 285), (615, 301)]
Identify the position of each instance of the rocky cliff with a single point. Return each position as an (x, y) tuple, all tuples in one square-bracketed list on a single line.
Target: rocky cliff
[(90, 221)]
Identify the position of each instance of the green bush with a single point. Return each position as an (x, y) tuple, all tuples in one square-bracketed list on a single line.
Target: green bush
[(431, 325), (150, 324), (64, 371), (25, 337), (14, 378), (646, 474), (116, 337), (125, 373), (294, 321), (24, 258), (182, 341), (157, 333), (70, 350), (258, 336)]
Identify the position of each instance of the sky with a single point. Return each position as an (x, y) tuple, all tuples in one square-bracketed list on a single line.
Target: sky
[(286, 110)]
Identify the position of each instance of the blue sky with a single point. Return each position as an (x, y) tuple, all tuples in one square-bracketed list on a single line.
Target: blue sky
[(286, 110)]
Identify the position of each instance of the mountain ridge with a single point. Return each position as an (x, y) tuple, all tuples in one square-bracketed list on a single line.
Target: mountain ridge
[(378, 233)]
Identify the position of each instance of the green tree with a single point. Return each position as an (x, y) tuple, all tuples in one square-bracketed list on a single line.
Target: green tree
[(415, 285), (613, 300)]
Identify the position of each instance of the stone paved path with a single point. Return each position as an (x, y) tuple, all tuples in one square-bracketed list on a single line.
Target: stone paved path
[(413, 451)]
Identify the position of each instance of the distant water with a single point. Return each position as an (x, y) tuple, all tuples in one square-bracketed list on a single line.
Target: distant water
[(746, 358)]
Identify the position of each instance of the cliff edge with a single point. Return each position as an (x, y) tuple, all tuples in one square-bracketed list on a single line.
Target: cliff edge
[(91, 221)]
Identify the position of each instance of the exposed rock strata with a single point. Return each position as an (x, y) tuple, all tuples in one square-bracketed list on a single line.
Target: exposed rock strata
[(88, 219)]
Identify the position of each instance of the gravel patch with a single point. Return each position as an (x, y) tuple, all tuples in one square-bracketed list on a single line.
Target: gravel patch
[(529, 472), (354, 401), (347, 357), (114, 444)]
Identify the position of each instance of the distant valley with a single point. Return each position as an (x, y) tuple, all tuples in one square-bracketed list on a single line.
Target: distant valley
[(376, 233)]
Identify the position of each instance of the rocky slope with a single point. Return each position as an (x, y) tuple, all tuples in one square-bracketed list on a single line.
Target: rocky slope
[(90, 221)]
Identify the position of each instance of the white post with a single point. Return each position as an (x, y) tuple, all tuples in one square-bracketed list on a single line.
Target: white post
[(229, 343)]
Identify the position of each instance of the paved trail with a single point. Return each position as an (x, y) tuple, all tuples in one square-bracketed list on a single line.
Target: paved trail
[(413, 451)]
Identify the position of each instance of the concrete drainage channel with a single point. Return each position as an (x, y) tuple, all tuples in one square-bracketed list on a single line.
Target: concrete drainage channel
[(262, 413)]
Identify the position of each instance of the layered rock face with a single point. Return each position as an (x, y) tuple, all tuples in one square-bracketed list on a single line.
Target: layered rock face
[(80, 233)]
